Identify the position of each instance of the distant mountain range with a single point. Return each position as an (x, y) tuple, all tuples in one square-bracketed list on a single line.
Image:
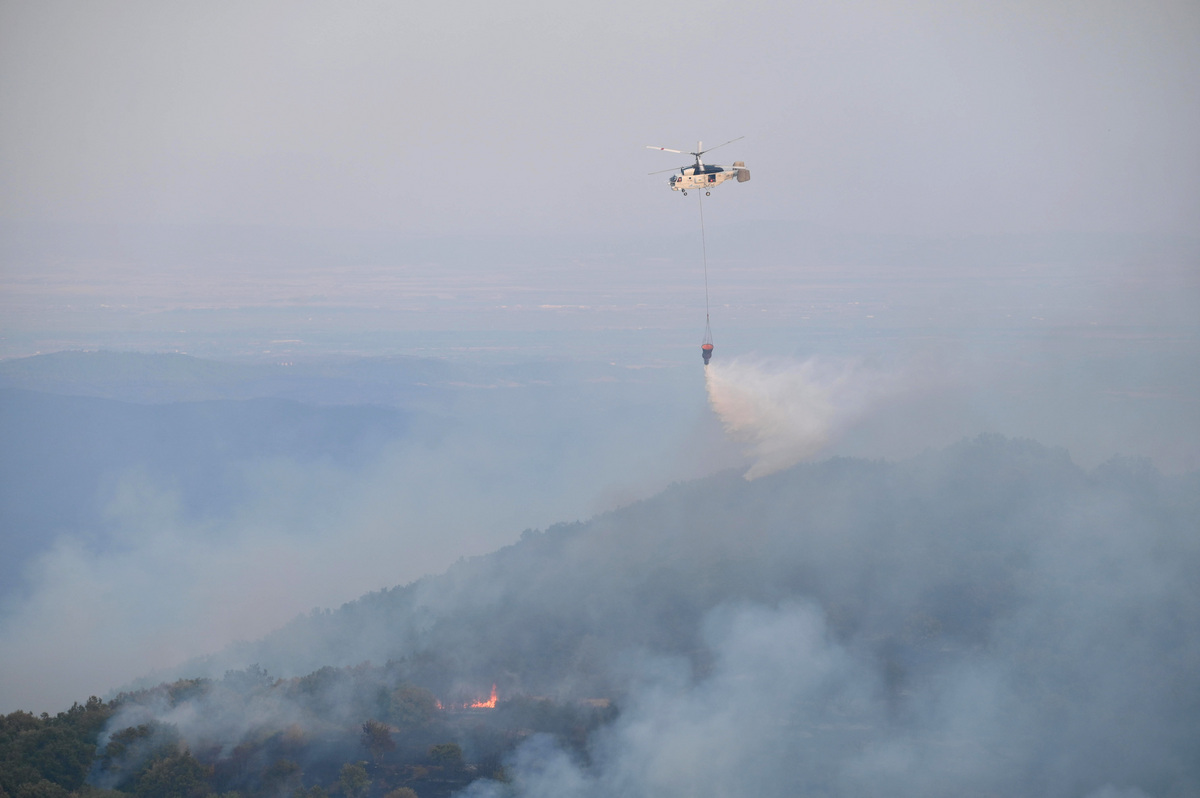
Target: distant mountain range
[(165, 377), (60, 455)]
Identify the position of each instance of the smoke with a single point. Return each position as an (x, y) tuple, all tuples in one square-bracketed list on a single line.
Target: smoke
[(777, 678), (1029, 636), (152, 581), (788, 709), (786, 411), (988, 619), (1114, 792)]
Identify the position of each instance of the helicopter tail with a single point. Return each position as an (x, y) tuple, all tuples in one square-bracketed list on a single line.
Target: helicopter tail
[(743, 174)]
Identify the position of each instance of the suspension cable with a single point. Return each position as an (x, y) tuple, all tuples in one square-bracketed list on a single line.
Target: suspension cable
[(704, 251)]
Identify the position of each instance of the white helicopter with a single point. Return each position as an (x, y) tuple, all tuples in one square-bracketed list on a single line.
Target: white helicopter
[(700, 175)]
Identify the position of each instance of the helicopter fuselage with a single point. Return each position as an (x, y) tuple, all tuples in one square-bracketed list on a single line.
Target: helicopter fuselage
[(706, 177)]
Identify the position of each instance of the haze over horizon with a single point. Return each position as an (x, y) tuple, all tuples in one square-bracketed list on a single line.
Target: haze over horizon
[(273, 182), (531, 118)]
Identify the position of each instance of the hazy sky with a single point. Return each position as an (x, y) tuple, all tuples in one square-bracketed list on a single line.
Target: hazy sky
[(927, 117)]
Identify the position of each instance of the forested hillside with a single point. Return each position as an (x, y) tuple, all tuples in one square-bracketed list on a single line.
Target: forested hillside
[(988, 619)]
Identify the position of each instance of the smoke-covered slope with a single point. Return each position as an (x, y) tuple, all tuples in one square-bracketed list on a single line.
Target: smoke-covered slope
[(989, 615), (945, 539)]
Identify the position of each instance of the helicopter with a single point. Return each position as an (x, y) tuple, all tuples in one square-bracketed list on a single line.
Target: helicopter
[(700, 175)]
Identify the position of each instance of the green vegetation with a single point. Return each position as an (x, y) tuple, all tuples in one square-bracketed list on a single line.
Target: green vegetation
[(405, 745), (49, 756), (354, 781)]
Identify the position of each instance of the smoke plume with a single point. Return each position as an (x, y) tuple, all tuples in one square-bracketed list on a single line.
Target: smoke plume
[(786, 411), (988, 619)]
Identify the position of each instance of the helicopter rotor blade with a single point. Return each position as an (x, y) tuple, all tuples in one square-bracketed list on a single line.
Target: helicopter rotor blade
[(710, 149), (664, 149), (676, 169)]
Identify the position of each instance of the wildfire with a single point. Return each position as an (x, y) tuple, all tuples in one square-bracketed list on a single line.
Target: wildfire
[(489, 704), (453, 706)]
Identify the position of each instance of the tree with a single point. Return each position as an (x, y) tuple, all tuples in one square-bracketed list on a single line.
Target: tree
[(176, 776), (412, 707), (133, 750), (447, 755), (38, 754), (92, 791), (282, 778), (42, 789), (58, 755), (377, 739), (401, 792), (316, 791), (354, 781)]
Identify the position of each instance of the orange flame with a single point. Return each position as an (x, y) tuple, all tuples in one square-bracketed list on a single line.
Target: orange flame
[(489, 704)]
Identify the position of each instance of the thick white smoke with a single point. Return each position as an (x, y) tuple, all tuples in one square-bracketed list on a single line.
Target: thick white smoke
[(786, 411), (778, 689)]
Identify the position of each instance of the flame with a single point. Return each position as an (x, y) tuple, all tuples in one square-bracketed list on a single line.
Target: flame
[(439, 704), (489, 704)]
